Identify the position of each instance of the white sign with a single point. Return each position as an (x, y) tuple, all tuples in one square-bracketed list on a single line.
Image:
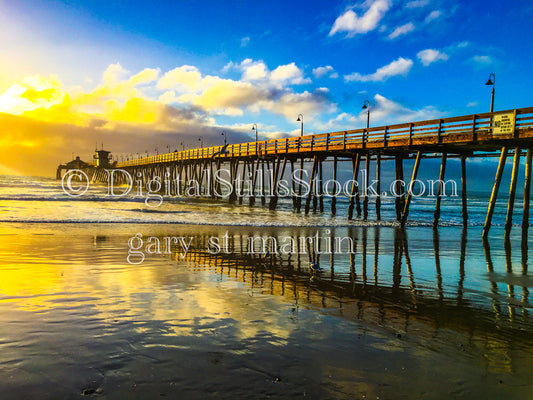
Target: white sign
[(503, 124)]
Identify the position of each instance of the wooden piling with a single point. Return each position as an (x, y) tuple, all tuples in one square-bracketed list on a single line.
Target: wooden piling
[(311, 179), (365, 186), (405, 212), (494, 194), (527, 189), (436, 215), (399, 187), (255, 168), (299, 198), (355, 167), (263, 199), (378, 187), (277, 177), (320, 183), (293, 186), (512, 191), (463, 190), (334, 198)]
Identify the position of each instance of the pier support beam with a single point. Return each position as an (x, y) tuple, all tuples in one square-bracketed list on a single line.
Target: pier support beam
[(436, 215), (334, 198), (405, 212), (527, 189), (355, 190), (365, 188), (463, 190), (299, 198), (494, 194), (320, 184), (512, 191), (399, 187), (311, 180), (378, 187)]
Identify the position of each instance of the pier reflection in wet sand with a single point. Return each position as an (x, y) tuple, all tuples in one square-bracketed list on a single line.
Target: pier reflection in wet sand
[(411, 313)]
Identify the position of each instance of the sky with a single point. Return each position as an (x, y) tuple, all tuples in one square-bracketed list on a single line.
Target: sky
[(140, 76)]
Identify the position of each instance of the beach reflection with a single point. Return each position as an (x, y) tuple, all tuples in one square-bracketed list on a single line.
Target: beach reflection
[(75, 314)]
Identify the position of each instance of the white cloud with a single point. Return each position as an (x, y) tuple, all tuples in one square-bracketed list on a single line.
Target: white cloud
[(482, 59), (258, 89), (417, 3), (187, 77), (321, 71), (429, 56), (402, 30), (462, 45), (385, 111), (253, 70), (401, 66), (353, 24), (227, 67), (472, 104), (433, 15), (382, 112), (258, 73), (288, 73), (245, 41), (334, 75)]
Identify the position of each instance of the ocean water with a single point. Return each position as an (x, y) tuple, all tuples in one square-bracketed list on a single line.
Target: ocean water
[(111, 298)]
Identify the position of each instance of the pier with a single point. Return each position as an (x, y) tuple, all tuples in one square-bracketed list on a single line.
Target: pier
[(501, 134)]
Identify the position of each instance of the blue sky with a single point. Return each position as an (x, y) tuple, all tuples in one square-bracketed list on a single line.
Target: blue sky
[(207, 66)]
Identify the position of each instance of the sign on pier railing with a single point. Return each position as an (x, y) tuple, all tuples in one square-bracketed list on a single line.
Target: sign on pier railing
[(504, 123)]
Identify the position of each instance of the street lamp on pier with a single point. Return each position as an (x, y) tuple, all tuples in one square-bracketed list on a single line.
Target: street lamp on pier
[(491, 81), (301, 121), (366, 106)]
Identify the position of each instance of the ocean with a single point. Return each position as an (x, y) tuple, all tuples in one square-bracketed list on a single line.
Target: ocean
[(112, 298)]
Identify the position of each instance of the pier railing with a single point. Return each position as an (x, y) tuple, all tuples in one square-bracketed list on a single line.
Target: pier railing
[(456, 130)]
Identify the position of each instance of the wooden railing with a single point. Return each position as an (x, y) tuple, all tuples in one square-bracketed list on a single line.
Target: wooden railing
[(470, 128)]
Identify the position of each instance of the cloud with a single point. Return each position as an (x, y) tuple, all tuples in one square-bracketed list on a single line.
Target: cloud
[(382, 112), (401, 66), (245, 41), (288, 74), (472, 104), (227, 67), (402, 30), (432, 15), (258, 73), (417, 3), (385, 111), (484, 60), (253, 70), (353, 24), (321, 71), (429, 56)]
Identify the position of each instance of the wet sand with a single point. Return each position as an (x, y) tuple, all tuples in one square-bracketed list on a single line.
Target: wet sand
[(411, 314)]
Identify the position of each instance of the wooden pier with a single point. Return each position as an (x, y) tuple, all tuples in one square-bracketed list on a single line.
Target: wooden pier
[(193, 171)]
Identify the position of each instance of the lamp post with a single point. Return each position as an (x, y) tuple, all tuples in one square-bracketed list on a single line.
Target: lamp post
[(182, 146), (366, 106), (168, 148), (225, 139), (254, 128), (491, 81), (156, 151), (301, 121), (201, 140), (299, 199)]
